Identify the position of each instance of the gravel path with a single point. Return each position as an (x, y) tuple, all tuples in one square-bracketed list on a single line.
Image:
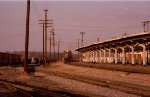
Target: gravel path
[(86, 88), (142, 79)]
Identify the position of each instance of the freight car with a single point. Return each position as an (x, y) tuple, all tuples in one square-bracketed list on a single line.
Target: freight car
[(9, 59), (1, 58)]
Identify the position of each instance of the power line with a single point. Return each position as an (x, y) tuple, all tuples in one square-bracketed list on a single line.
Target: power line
[(45, 3), (35, 9)]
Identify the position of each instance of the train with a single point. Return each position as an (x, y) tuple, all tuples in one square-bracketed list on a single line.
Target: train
[(67, 57), (9, 59)]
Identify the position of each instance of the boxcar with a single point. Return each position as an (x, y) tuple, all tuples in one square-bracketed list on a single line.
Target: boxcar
[(18, 59), (5, 58), (1, 58), (14, 58), (10, 59)]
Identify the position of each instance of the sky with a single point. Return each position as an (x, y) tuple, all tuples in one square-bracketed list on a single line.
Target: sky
[(98, 19)]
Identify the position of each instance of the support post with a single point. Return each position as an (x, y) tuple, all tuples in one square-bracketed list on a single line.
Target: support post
[(109, 55), (88, 56), (143, 55), (104, 56), (116, 61), (100, 56), (133, 62), (94, 56), (123, 56)]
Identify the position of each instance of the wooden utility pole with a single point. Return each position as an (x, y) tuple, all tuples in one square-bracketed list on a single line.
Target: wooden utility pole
[(58, 47), (50, 49), (43, 44), (146, 26), (97, 39), (53, 33), (27, 36), (45, 34), (82, 33), (45, 21), (78, 48)]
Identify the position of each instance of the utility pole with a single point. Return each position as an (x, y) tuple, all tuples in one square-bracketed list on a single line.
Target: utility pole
[(146, 26), (53, 33), (45, 41), (43, 44), (97, 39), (45, 34), (78, 48), (82, 33), (58, 47), (27, 36), (50, 50)]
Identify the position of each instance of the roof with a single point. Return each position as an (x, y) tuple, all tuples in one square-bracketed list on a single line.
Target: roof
[(140, 35)]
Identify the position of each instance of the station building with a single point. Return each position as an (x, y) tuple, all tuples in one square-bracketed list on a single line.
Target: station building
[(128, 49)]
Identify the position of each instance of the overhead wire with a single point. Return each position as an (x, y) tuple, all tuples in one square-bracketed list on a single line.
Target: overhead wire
[(35, 9), (94, 28)]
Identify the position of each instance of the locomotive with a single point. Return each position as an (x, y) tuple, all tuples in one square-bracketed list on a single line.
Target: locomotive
[(67, 57)]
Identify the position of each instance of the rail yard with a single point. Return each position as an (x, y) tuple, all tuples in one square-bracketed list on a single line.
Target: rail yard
[(82, 48), (66, 80)]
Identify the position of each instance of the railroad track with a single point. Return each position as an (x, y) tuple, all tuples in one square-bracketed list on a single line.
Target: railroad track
[(17, 91), (22, 91), (128, 88)]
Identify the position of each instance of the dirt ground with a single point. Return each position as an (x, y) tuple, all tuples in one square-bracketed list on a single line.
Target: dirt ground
[(144, 69), (44, 78)]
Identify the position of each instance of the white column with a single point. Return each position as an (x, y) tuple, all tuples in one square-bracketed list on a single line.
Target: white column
[(81, 56), (86, 56), (100, 56), (144, 59), (104, 56), (89, 56), (123, 55), (92, 56), (132, 55), (109, 55), (116, 61), (96, 56), (143, 55)]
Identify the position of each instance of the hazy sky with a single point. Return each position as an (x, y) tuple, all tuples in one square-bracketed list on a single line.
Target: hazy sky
[(98, 19)]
